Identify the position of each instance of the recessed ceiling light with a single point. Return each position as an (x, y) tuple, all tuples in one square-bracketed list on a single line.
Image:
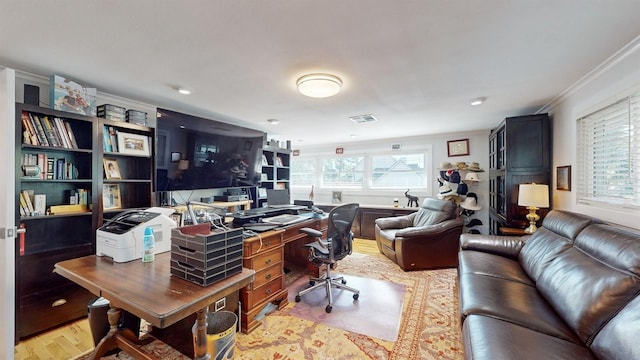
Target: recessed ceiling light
[(319, 85), (273, 121), (477, 101), (184, 91)]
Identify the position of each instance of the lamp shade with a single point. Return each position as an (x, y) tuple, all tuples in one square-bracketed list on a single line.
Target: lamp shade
[(534, 195), (319, 85)]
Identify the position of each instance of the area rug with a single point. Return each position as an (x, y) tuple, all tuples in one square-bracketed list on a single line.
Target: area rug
[(377, 312), (429, 327)]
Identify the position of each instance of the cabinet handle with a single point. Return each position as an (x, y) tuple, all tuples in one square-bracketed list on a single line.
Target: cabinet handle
[(268, 261), (268, 276), (267, 243), (59, 302), (268, 291)]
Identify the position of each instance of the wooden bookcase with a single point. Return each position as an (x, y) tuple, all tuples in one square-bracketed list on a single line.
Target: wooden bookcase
[(43, 298), (519, 152)]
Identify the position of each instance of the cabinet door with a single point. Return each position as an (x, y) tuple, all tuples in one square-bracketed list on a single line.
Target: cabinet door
[(527, 143)]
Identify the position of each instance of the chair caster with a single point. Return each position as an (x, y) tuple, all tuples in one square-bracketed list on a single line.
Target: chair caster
[(344, 281), (328, 308), (356, 296), (311, 283), (298, 298)]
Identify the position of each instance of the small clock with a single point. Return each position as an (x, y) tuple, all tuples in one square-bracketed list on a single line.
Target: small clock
[(458, 147)]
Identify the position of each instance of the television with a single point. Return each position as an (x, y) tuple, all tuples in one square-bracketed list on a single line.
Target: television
[(197, 153)]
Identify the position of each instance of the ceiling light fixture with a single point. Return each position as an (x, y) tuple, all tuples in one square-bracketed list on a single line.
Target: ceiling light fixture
[(273, 121), (184, 91), (477, 101), (319, 85)]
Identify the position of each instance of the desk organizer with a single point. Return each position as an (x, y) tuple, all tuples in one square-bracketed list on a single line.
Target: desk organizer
[(205, 256)]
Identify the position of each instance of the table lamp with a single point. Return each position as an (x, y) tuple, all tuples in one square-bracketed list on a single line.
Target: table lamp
[(533, 196)]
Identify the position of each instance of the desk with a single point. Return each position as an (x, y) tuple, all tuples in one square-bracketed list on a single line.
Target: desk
[(148, 291)]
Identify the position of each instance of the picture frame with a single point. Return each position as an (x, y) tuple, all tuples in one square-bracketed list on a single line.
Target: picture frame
[(70, 96), (175, 156), (133, 144), (563, 178), (458, 147), (336, 197), (177, 217), (111, 169), (111, 197)]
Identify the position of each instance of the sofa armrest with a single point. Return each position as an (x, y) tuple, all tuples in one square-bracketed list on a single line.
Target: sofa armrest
[(395, 222), (508, 246)]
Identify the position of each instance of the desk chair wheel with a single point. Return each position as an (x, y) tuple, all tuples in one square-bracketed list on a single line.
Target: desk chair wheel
[(298, 298), (328, 308), (356, 296), (311, 282)]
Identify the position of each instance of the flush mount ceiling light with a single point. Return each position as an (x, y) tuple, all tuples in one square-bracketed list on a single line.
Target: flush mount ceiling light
[(477, 101), (184, 91), (319, 85)]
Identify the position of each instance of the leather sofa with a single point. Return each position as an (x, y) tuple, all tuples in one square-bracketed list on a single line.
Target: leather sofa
[(425, 239), (571, 290)]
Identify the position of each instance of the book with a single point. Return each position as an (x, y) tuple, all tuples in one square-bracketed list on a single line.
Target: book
[(50, 168), (30, 135), (114, 139), (40, 204), (60, 133), (61, 169), (42, 164), (72, 137), (107, 139), (24, 209), (67, 209), (40, 129), (27, 200), (63, 133), (50, 132)]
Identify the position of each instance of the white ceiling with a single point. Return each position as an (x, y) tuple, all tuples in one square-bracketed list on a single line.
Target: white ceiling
[(413, 64)]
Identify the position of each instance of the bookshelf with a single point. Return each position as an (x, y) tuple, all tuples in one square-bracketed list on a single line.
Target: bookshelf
[(61, 160), (275, 172)]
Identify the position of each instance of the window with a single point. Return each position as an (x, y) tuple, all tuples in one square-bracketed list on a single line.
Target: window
[(609, 154), (398, 171), (343, 172), (303, 172)]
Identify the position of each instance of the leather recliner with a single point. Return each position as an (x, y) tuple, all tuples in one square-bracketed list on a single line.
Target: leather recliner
[(425, 239)]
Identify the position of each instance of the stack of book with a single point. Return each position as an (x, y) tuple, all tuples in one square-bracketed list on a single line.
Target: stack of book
[(137, 117), (42, 130), (111, 112)]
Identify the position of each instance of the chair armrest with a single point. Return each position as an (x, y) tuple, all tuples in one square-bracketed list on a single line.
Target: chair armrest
[(311, 232), (508, 246), (395, 222), (427, 230)]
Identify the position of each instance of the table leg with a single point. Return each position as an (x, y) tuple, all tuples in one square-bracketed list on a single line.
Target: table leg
[(123, 339), (200, 336)]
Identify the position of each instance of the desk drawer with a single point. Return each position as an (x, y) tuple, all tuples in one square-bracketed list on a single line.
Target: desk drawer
[(255, 245), (264, 260), (264, 276), (250, 298)]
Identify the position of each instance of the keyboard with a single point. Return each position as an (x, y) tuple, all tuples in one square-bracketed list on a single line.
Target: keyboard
[(285, 219)]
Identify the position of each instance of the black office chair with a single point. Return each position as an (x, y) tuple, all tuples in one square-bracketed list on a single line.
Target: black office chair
[(336, 246)]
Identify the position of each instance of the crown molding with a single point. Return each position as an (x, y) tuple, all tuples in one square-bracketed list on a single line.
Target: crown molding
[(620, 55)]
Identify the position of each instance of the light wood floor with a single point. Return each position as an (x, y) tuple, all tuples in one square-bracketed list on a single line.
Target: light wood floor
[(74, 339)]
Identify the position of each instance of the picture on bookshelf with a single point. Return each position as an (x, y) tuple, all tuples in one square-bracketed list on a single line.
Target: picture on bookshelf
[(111, 197), (111, 169), (264, 160), (70, 96), (133, 144)]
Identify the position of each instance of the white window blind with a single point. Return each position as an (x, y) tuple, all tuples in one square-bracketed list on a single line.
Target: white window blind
[(609, 155)]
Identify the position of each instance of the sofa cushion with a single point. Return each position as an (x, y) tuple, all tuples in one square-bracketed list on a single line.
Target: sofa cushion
[(618, 340), (513, 302), (476, 262), (589, 283), (487, 338)]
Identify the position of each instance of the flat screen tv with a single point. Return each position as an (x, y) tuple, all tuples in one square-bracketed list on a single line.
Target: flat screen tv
[(197, 153)]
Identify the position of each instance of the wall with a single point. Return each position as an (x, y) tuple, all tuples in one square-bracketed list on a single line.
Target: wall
[(614, 79), (436, 148)]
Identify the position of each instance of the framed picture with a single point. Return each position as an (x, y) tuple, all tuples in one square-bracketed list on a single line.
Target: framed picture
[(175, 156), (177, 217), (111, 169), (70, 96), (458, 147), (111, 197), (563, 178), (133, 144), (336, 197)]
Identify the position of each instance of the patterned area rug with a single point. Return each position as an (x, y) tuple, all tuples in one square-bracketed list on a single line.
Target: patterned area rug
[(429, 329)]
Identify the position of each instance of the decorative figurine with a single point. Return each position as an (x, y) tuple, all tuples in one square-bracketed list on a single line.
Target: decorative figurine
[(412, 199)]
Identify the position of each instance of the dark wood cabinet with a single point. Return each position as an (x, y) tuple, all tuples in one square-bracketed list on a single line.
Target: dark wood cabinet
[(364, 224), (519, 152), (70, 172), (276, 172)]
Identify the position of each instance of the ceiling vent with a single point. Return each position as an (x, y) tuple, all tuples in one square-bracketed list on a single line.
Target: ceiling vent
[(360, 119)]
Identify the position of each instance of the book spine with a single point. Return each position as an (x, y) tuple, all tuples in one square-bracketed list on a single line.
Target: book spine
[(50, 133), (113, 137), (56, 127), (40, 203), (35, 130), (63, 133), (27, 199), (41, 135), (42, 164), (30, 136), (107, 139), (72, 137), (60, 169), (50, 168)]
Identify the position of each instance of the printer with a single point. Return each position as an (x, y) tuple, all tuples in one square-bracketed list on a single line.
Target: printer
[(120, 238)]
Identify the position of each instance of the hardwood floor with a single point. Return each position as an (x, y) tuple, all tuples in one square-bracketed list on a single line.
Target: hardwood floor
[(70, 341)]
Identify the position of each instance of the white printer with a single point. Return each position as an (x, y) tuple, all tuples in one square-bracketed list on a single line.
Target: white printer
[(121, 238)]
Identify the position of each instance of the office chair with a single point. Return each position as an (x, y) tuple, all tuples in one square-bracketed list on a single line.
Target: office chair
[(336, 246)]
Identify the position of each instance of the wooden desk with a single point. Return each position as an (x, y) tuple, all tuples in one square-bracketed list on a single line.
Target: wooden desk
[(148, 291)]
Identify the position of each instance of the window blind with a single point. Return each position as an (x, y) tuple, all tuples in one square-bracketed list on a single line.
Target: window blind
[(609, 155)]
